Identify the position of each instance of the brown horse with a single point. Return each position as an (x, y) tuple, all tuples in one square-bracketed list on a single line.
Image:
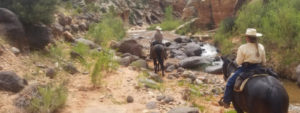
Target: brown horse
[(158, 54), (263, 94)]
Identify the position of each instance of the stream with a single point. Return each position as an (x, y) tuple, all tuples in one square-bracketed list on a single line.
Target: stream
[(210, 52)]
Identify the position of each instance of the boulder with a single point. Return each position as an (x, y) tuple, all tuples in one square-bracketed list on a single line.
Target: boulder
[(155, 77), (194, 62), (129, 99), (68, 36), (12, 28), (57, 29), (168, 99), (151, 105), (193, 49), (15, 50), (64, 20), (127, 60), (39, 36), (87, 42), (83, 26), (215, 69), (75, 27), (170, 68), (24, 98), (140, 64), (177, 54), (131, 46), (160, 98), (10, 81), (51, 73), (298, 75), (184, 110), (114, 44), (70, 68)]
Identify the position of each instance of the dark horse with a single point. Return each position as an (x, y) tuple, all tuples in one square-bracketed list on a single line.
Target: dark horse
[(158, 54), (262, 94)]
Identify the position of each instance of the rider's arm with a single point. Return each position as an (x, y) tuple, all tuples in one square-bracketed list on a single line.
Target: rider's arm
[(264, 60), (240, 56)]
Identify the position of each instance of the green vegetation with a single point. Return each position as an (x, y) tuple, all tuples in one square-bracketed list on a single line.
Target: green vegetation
[(231, 111), (169, 23), (50, 99), (32, 11), (278, 20), (110, 28), (201, 108), (104, 64), (189, 28)]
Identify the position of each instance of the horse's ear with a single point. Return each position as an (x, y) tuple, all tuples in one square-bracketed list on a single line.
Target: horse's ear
[(223, 58)]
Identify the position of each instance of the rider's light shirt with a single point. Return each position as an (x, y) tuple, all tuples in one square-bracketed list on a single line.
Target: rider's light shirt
[(247, 53)]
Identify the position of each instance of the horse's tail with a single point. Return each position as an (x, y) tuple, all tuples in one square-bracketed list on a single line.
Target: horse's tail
[(159, 54), (278, 99)]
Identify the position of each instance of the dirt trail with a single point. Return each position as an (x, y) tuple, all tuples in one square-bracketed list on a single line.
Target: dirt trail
[(111, 97)]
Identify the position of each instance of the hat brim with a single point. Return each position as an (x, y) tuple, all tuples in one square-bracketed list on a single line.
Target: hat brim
[(257, 35)]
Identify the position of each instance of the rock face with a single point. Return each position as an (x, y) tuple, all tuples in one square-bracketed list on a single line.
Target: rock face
[(298, 75), (211, 12), (138, 12), (12, 28), (184, 110), (131, 46), (10, 81)]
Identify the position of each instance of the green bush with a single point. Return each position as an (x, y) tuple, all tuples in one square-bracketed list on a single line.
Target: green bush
[(169, 23), (32, 11), (104, 64), (278, 20), (110, 28), (50, 99)]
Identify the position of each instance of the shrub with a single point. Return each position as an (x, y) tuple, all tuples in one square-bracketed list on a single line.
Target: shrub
[(278, 20), (32, 11), (50, 99), (169, 23), (104, 63), (110, 28)]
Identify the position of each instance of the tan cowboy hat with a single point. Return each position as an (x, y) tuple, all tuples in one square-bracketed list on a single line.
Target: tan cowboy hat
[(253, 32), (158, 28)]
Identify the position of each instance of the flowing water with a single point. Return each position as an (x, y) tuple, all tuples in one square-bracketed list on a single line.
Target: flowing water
[(293, 91)]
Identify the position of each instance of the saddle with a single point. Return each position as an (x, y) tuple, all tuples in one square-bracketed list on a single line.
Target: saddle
[(243, 77)]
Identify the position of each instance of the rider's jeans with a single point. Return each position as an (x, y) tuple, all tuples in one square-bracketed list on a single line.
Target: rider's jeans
[(229, 86)]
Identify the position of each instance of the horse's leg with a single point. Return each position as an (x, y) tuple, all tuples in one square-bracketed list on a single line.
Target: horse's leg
[(161, 62), (155, 65), (237, 108)]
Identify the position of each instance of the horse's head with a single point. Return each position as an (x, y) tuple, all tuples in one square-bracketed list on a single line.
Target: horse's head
[(228, 67)]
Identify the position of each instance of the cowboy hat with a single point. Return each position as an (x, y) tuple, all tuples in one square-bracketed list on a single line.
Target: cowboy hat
[(158, 28), (253, 32)]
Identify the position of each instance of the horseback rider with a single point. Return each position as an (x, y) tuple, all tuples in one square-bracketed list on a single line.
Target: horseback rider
[(249, 56), (158, 35)]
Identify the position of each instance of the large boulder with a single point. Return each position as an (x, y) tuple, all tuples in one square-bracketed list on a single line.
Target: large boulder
[(193, 49), (184, 110), (10, 81), (131, 46), (298, 75), (12, 28), (194, 62), (39, 36)]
